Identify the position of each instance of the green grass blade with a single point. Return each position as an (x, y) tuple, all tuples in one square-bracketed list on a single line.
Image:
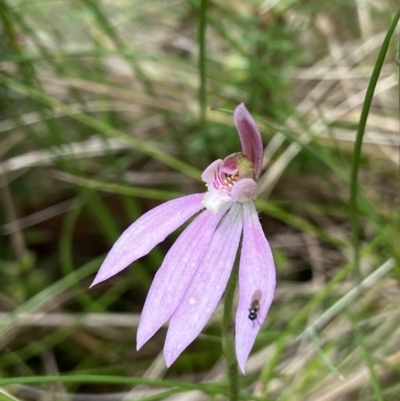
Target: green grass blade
[(354, 213)]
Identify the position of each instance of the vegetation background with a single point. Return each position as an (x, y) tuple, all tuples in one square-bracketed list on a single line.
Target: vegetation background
[(105, 113)]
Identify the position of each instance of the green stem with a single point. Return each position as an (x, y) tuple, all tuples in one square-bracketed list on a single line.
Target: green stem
[(228, 339), (202, 61), (398, 173)]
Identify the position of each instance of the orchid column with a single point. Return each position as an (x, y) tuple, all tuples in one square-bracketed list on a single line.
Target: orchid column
[(193, 276)]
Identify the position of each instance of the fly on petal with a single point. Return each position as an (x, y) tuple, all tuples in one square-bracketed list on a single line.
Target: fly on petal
[(256, 282)]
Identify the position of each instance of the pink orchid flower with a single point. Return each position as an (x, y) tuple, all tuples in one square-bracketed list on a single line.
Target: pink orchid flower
[(192, 278)]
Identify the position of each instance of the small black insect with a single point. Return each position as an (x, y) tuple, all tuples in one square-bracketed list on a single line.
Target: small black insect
[(255, 305)]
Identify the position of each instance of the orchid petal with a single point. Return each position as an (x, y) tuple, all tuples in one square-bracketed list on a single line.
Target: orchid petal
[(256, 272), (250, 138), (230, 164), (244, 190), (146, 232), (208, 174), (175, 273), (207, 286)]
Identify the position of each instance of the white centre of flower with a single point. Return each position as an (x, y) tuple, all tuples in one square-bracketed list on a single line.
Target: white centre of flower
[(213, 199), (231, 179)]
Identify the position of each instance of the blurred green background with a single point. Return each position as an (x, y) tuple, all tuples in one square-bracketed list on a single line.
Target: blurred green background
[(108, 108)]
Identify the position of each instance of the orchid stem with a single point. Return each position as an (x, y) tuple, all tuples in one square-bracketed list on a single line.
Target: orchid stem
[(228, 339)]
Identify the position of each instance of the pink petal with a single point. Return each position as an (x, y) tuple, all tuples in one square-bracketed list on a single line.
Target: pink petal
[(146, 232), (207, 286), (244, 190), (250, 138), (208, 174), (256, 272), (173, 277), (230, 164)]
